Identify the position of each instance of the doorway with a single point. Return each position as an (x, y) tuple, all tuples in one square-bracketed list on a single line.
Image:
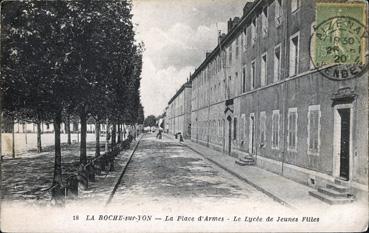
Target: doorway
[(345, 143), (252, 133), (342, 141), (229, 135)]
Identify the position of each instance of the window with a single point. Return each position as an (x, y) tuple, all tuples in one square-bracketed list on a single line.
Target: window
[(253, 32), (277, 63), (263, 70), (312, 51), (242, 127), (245, 40), (294, 54), (230, 54), (292, 129), (295, 4), (262, 129), (224, 59), (237, 48), (278, 12), (242, 41), (275, 129), (229, 86), (314, 129), (235, 129), (244, 79), (264, 22), (252, 78), (235, 82)]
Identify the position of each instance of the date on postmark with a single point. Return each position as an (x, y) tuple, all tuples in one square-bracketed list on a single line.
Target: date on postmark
[(338, 45)]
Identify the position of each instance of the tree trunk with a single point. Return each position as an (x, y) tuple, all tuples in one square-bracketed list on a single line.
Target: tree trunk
[(97, 134), (69, 141), (107, 136), (83, 155), (119, 133), (113, 136), (1, 133), (39, 146), (57, 165), (13, 140)]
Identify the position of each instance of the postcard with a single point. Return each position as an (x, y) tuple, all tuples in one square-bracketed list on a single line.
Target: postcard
[(184, 116)]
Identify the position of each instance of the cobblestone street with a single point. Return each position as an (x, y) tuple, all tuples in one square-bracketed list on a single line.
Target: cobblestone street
[(167, 170)]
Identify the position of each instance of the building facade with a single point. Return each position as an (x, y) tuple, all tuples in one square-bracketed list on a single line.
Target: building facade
[(258, 94), (179, 112)]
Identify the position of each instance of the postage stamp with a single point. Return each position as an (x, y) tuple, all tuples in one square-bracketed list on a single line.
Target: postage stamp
[(338, 45)]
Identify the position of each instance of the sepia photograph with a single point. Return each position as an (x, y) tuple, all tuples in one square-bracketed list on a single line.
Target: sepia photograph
[(184, 116)]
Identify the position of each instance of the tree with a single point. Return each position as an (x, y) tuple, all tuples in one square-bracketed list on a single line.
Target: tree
[(140, 114), (150, 121), (33, 64), (66, 58)]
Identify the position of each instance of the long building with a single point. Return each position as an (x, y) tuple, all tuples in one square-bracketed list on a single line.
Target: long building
[(178, 113), (257, 94)]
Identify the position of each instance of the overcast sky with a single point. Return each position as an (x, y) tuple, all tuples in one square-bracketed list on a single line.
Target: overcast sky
[(176, 34)]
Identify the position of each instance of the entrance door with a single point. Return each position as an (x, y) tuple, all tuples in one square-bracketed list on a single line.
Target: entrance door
[(345, 143), (252, 133), (229, 135), (223, 135)]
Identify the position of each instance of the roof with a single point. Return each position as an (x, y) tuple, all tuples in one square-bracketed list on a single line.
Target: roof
[(187, 84), (248, 10)]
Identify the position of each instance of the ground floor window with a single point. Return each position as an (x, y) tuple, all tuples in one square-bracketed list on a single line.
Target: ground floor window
[(275, 129), (292, 129), (235, 128), (314, 129), (242, 127), (262, 128)]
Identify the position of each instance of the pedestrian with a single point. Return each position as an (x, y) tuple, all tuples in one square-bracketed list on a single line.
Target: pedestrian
[(159, 135)]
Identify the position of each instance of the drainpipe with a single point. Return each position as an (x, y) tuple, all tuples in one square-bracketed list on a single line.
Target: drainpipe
[(285, 88)]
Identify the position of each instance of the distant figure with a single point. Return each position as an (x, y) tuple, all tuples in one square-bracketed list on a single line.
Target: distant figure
[(159, 135)]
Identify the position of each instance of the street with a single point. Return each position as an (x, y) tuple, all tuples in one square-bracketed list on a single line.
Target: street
[(165, 170)]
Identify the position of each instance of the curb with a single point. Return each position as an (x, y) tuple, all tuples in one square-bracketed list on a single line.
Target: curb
[(123, 171)]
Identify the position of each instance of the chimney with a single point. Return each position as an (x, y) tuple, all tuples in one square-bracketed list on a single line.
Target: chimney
[(247, 8), (221, 37), (236, 20), (230, 24)]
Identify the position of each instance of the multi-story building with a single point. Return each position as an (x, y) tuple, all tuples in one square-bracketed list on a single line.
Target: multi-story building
[(257, 94), (179, 112)]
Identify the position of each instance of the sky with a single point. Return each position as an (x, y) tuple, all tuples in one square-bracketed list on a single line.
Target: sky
[(177, 34)]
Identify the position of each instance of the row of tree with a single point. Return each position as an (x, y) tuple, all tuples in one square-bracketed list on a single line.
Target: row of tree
[(62, 59)]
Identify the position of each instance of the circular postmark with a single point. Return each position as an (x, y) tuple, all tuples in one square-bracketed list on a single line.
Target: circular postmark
[(338, 48)]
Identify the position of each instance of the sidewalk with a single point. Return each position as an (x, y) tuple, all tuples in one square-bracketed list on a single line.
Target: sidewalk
[(281, 189), (100, 190)]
